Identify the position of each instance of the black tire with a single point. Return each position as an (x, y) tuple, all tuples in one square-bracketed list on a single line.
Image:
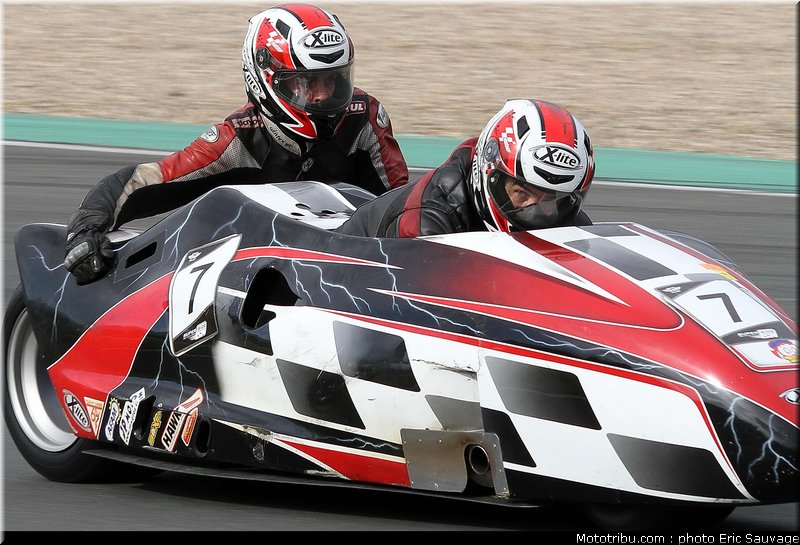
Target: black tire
[(33, 415), (647, 518)]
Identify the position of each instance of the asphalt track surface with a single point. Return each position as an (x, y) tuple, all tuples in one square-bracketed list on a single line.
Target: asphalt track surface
[(42, 184)]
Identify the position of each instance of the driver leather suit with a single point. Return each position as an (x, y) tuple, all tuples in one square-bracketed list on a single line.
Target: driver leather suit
[(244, 149), (438, 203)]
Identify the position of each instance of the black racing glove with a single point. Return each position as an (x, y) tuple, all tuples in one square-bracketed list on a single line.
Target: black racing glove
[(89, 254)]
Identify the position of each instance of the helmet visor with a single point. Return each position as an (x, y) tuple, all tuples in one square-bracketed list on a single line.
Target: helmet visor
[(528, 207), (324, 92)]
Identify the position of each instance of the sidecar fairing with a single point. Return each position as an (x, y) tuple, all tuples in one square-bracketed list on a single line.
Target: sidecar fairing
[(608, 363)]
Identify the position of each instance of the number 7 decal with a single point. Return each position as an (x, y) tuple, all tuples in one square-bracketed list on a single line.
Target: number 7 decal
[(192, 291), (726, 300), (723, 307)]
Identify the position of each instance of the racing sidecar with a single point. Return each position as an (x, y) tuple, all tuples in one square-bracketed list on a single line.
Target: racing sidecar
[(634, 372)]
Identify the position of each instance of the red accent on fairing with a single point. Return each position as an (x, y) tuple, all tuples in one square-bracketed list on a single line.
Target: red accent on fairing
[(199, 154), (683, 389), (103, 356), (766, 299), (358, 467), (558, 124), (524, 288), (286, 252), (644, 326)]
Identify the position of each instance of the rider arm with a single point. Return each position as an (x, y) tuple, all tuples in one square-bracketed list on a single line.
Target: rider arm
[(387, 167), (435, 204), (216, 153), (216, 158)]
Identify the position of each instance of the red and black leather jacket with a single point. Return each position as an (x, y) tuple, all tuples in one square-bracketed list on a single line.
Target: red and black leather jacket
[(244, 149), (440, 202), (436, 204)]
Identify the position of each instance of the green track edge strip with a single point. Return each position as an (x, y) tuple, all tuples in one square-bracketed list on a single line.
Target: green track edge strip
[(627, 165)]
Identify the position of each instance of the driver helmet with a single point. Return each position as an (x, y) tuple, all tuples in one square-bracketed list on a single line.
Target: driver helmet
[(298, 70), (532, 168)]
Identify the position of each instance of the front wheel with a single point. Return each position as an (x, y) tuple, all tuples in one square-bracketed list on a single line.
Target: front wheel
[(33, 413)]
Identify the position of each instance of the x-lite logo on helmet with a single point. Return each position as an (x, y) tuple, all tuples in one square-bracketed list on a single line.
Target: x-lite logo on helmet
[(322, 38), (556, 156)]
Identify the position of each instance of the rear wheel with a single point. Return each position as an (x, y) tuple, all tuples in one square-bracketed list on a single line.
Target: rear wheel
[(642, 518), (33, 413)]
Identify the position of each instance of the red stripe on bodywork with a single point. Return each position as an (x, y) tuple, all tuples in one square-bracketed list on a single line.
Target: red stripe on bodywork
[(357, 467), (286, 252), (558, 124), (525, 288), (102, 358)]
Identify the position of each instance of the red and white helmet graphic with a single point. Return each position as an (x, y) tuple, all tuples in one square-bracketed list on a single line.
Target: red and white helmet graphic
[(298, 69), (533, 166)]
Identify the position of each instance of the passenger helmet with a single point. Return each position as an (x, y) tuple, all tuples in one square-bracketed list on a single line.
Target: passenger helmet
[(536, 147), (297, 46)]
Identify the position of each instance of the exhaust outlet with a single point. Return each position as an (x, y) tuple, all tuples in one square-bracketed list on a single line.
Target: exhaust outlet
[(478, 466)]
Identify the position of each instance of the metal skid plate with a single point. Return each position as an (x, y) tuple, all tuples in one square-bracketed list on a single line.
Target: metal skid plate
[(436, 459)]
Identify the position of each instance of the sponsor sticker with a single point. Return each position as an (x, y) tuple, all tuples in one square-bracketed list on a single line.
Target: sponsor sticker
[(358, 107), (254, 87), (113, 416), (95, 410), (719, 270), (507, 138), (784, 348), (76, 410), (768, 333), (282, 139), (247, 122), (172, 429), (476, 173), (197, 333), (211, 135), (129, 416), (188, 428), (154, 427), (382, 117)]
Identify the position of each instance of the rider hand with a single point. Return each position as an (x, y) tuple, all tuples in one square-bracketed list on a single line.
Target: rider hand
[(89, 254)]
